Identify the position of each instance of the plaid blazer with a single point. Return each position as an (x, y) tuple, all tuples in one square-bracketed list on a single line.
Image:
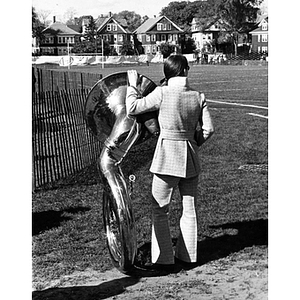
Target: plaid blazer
[(180, 110)]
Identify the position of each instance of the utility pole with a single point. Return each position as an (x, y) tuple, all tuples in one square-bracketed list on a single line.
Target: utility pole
[(68, 49), (102, 52)]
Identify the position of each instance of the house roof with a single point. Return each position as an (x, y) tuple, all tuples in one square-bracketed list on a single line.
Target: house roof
[(76, 28), (102, 21), (259, 30), (59, 28), (214, 25), (261, 18), (148, 24)]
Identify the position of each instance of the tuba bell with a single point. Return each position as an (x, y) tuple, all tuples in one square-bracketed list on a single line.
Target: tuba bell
[(105, 115)]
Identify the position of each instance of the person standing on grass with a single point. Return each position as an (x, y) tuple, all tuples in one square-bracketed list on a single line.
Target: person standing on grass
[(175, 162)]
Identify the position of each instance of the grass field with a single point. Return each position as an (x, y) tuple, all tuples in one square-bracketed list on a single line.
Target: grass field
[(233, 185)]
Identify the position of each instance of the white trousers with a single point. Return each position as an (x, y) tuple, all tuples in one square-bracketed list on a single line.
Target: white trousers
[(161, 242)]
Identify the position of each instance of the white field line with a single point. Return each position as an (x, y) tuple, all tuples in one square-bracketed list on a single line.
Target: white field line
[(237, 104), (229, 90), (257, 115)]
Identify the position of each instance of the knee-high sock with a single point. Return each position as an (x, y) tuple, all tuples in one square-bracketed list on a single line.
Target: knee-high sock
[(161, 243), (186, 248)]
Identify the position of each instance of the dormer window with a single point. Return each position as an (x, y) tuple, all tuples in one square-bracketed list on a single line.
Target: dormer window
[(164, 26)]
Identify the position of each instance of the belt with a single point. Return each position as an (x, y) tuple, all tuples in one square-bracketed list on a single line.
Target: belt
[(177, 135)]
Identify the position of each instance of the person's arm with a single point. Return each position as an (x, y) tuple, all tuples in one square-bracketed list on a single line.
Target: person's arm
[(136, 105), (205, 121)]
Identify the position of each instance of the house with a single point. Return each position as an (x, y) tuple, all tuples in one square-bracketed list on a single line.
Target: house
[(204, 39), (115, 32), (59, 39), (260, 36), (155, 31)]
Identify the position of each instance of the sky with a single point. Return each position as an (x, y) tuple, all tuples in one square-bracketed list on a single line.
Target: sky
[(96, 7)]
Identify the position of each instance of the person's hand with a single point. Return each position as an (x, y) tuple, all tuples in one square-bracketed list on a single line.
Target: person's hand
[(132, 77)]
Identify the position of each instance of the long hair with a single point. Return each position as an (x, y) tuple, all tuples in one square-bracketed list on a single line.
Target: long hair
[(175, 65)]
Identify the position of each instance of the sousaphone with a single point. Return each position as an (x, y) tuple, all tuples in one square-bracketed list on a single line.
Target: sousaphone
[(105, 114)]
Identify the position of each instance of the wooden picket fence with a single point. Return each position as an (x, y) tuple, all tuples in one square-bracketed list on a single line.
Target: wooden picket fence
[(62, 143), (55, 80)]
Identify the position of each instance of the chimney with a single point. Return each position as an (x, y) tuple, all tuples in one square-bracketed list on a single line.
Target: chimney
[(110, 14), (54, 19)]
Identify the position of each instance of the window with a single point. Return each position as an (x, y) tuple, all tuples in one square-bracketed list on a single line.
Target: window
[(264, 38), (148, 38), (108, 27), (115, 27), (49, 40), (121, 38), (153, 49), (115, 37), (169, 37), (159, 26), (148, 49), (264, 26), (169, 27), (70, 39), (175, 37), (264, 49), (153, 38), (258, 37), (163, 37)]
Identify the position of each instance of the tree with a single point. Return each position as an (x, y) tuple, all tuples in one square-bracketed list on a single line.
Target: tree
[(43, 15), (133, 20), (69, 16), (235, 17), (85, 46), (127, 48), (91, 41), (138, 48), (182, 13), (91, 31), (37, 27), (188, 45), (238, 17), (179, 13), (166, 49)]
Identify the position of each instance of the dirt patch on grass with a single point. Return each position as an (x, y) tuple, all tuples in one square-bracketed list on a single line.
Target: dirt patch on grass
[(241, 275)]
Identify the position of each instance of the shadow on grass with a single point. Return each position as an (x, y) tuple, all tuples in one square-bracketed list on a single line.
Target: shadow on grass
[(246, 234), (101, 291), (235, 237), (46, 220)]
